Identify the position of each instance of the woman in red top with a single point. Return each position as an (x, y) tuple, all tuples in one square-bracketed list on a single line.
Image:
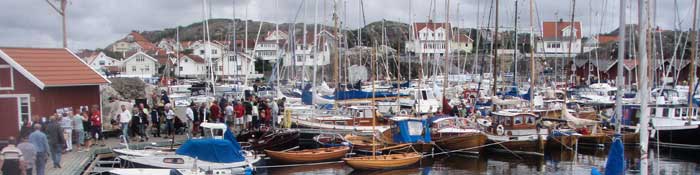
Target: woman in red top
[(96, 122)]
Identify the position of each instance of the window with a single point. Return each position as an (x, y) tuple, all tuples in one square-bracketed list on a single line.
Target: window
[(180, 68), (186, 60), (554, 45), (232, 58), (213, 51), (221, 68), (531, 120), (6, 78), (24, 108), (201, 52), (133, 68), (239, 67), (147, 68), (102, 62), (518, 120)]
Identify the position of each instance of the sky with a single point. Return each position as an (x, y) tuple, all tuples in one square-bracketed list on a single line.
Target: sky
[(97, 23)]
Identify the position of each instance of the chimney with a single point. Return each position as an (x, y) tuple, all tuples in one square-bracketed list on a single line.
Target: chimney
[(561, 20)]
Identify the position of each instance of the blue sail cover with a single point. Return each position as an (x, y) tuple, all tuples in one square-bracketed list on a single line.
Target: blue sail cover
[(228, 135), (359, 94), (411, 131), (211, 150), (616, 158)]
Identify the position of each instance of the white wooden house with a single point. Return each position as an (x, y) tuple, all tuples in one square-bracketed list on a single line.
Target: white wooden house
[(140, 64)]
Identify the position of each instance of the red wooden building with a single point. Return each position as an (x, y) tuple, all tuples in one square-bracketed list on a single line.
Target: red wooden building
[(35, 82)]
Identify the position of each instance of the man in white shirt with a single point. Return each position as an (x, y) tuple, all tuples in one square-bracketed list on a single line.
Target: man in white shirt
[(228, 113), (124, 118), (190, 116), (169, 116)]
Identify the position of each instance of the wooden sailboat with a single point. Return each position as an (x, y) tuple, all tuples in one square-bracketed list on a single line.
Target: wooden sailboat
[(516, 132), (388, 161), (308, 155), (455, 134)]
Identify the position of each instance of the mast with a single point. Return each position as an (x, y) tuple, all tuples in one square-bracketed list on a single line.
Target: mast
[(448, 29), (374, 112), (620, 61), (643, 86), (315, 57), (691, 77), (277, 45), (494, 61), (532, 56), (515, 55), (572, 36)]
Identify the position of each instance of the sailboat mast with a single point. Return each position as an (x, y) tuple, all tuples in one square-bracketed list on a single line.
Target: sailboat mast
[(620, 63), (572, 36), (532, 56), (515, 39), (314, 55), (374, 112), (691, 77), (643, 86), (494, 61), (277, 45), (448, 29)]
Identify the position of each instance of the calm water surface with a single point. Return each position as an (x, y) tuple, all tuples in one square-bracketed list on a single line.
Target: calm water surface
[(662, 161)]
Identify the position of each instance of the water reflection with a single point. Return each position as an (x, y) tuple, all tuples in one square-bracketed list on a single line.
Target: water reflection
[(663, 161)]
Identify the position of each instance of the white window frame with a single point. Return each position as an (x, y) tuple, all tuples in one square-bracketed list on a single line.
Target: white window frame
[(12, 77)]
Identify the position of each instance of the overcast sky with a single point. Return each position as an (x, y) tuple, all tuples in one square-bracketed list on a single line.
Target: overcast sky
[(96, 23)]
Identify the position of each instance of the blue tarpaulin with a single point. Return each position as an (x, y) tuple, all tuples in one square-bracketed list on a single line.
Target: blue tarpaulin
[(228, 135), (211, 150), (616, 158), (411, 131)]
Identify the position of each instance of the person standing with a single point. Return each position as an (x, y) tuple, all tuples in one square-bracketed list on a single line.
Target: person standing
[(67, 126), (141, 123), (155, 122), (28, 155), (255, 112), (240, 113), (215, 112), (10, 158), (274, 112), (78, 129), (228, 113), (248, 113), (189, 113), (124, 118), (40, 141), (169, 117), (56, 141), (96, 125)]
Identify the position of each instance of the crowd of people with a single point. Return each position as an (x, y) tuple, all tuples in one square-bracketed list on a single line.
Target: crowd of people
[(50, 137)]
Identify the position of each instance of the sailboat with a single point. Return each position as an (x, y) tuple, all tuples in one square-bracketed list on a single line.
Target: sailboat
[(457, 134), (387, 161)]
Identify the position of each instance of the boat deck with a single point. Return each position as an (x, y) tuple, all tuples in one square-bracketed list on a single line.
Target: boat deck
[(76, 162)]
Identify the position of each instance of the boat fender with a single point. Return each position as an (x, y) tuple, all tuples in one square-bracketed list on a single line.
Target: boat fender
[(500, 130)]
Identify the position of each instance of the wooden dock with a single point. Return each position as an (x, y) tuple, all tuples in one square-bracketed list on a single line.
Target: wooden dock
[(76, 162)]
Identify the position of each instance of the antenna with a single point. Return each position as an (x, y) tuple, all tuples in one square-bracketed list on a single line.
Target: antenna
[(61, 11)]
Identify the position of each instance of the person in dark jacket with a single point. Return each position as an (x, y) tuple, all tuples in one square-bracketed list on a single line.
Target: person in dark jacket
[(155, 122), (56, 140), (142, 124)]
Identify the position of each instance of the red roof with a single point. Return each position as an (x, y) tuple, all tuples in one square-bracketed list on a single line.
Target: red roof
[(196, 58), (553, 29), (48, 67), (606, 38), (430, 25)]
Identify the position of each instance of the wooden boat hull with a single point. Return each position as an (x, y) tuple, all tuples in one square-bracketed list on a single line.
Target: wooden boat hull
[(308, 156), (463, 142), (383, 161), (592, 140), (279, 141), (562, 141), (531, 146)]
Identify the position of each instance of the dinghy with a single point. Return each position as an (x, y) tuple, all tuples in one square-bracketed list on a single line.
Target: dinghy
[(308, 155)]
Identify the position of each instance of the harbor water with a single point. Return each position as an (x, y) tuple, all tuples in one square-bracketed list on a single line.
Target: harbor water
[(663, 161)]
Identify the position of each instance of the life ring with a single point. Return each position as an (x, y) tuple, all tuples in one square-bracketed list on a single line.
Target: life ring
[(500, 130)]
